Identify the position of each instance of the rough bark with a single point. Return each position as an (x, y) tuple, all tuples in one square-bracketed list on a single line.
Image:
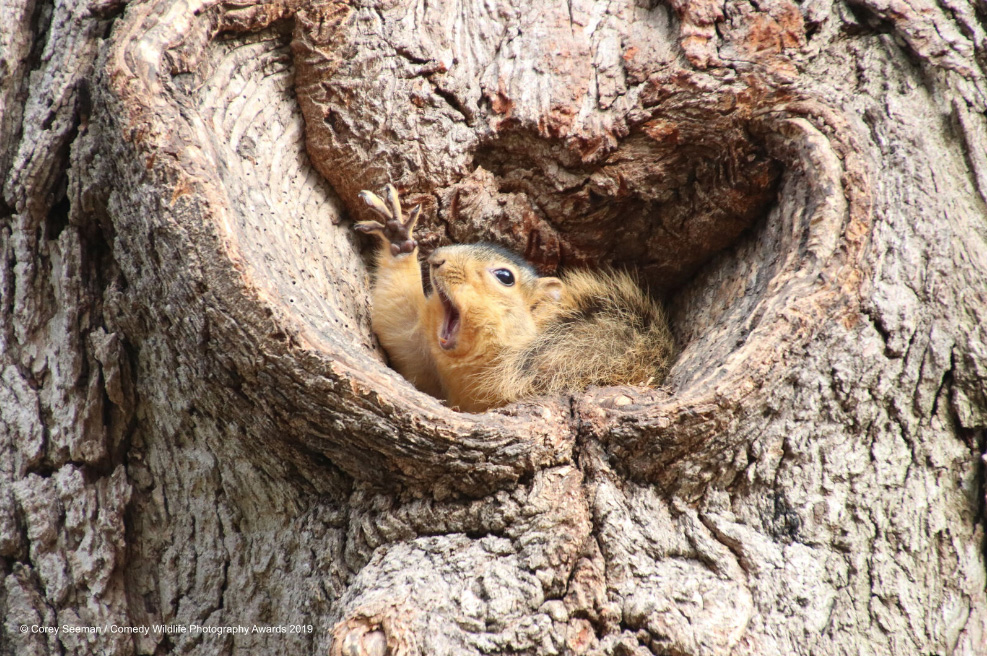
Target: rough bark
[(198, 428)]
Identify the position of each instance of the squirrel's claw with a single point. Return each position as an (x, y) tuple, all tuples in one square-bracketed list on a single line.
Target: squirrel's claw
[(395, 202), (412, 221), (397, 232), (369, 227), (374, 202)]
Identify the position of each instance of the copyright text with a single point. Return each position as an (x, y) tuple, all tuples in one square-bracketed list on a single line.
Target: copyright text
[(170, 629)]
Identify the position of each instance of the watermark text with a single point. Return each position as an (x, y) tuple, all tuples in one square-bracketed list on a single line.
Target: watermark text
[(168, 629)]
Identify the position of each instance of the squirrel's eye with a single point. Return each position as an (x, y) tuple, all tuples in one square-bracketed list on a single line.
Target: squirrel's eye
[(504, 276)]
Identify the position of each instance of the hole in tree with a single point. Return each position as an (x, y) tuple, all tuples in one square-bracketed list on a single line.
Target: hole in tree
[(680, 201)]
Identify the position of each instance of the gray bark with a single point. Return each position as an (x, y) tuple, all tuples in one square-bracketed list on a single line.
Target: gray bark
[(198, 428)]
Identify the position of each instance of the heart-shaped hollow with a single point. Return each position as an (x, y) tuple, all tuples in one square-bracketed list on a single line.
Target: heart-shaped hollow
[(721, 190)]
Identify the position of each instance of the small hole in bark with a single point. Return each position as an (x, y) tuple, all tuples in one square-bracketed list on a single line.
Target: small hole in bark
[(58, 219)]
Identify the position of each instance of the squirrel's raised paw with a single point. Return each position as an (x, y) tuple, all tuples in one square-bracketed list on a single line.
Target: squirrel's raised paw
[(398, 233)]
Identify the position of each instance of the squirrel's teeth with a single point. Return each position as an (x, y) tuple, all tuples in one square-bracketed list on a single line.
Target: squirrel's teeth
[(450, 325)]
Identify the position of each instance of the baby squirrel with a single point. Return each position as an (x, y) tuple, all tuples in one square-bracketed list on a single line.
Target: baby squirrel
[(494, 331)]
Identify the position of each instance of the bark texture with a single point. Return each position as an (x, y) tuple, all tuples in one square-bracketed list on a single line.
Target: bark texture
[(197, 427)]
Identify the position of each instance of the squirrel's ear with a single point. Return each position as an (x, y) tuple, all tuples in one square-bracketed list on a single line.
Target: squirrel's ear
[(548, 289)]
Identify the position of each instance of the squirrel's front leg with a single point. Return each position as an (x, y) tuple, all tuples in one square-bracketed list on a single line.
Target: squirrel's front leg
[(398, 297)]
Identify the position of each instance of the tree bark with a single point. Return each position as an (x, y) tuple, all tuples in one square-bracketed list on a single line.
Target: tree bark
[(200, 432)]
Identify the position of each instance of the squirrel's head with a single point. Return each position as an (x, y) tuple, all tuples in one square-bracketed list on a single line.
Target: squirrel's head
[(484, 298)]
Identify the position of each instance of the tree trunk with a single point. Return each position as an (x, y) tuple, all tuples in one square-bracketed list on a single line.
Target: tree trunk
[(199, 431)]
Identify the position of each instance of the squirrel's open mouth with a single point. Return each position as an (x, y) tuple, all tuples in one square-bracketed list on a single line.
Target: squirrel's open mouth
[(450, 324)]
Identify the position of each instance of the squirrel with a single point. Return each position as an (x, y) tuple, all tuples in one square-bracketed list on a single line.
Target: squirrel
[(493, 331)]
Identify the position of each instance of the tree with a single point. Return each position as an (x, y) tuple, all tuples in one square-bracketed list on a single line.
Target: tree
[(199, 430)]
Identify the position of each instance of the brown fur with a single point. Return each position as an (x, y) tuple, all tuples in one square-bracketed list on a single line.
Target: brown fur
[(605, 331), (540, 335)]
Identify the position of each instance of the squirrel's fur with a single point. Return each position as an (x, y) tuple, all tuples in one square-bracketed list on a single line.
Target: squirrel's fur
[(478, 342)]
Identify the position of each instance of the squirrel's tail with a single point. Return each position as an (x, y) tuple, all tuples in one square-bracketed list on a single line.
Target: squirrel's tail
[(609, 332)]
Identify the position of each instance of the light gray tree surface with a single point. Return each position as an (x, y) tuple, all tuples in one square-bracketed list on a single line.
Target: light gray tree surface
[(198, 428)]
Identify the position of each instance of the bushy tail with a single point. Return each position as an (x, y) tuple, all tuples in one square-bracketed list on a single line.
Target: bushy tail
[(609, 332)]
